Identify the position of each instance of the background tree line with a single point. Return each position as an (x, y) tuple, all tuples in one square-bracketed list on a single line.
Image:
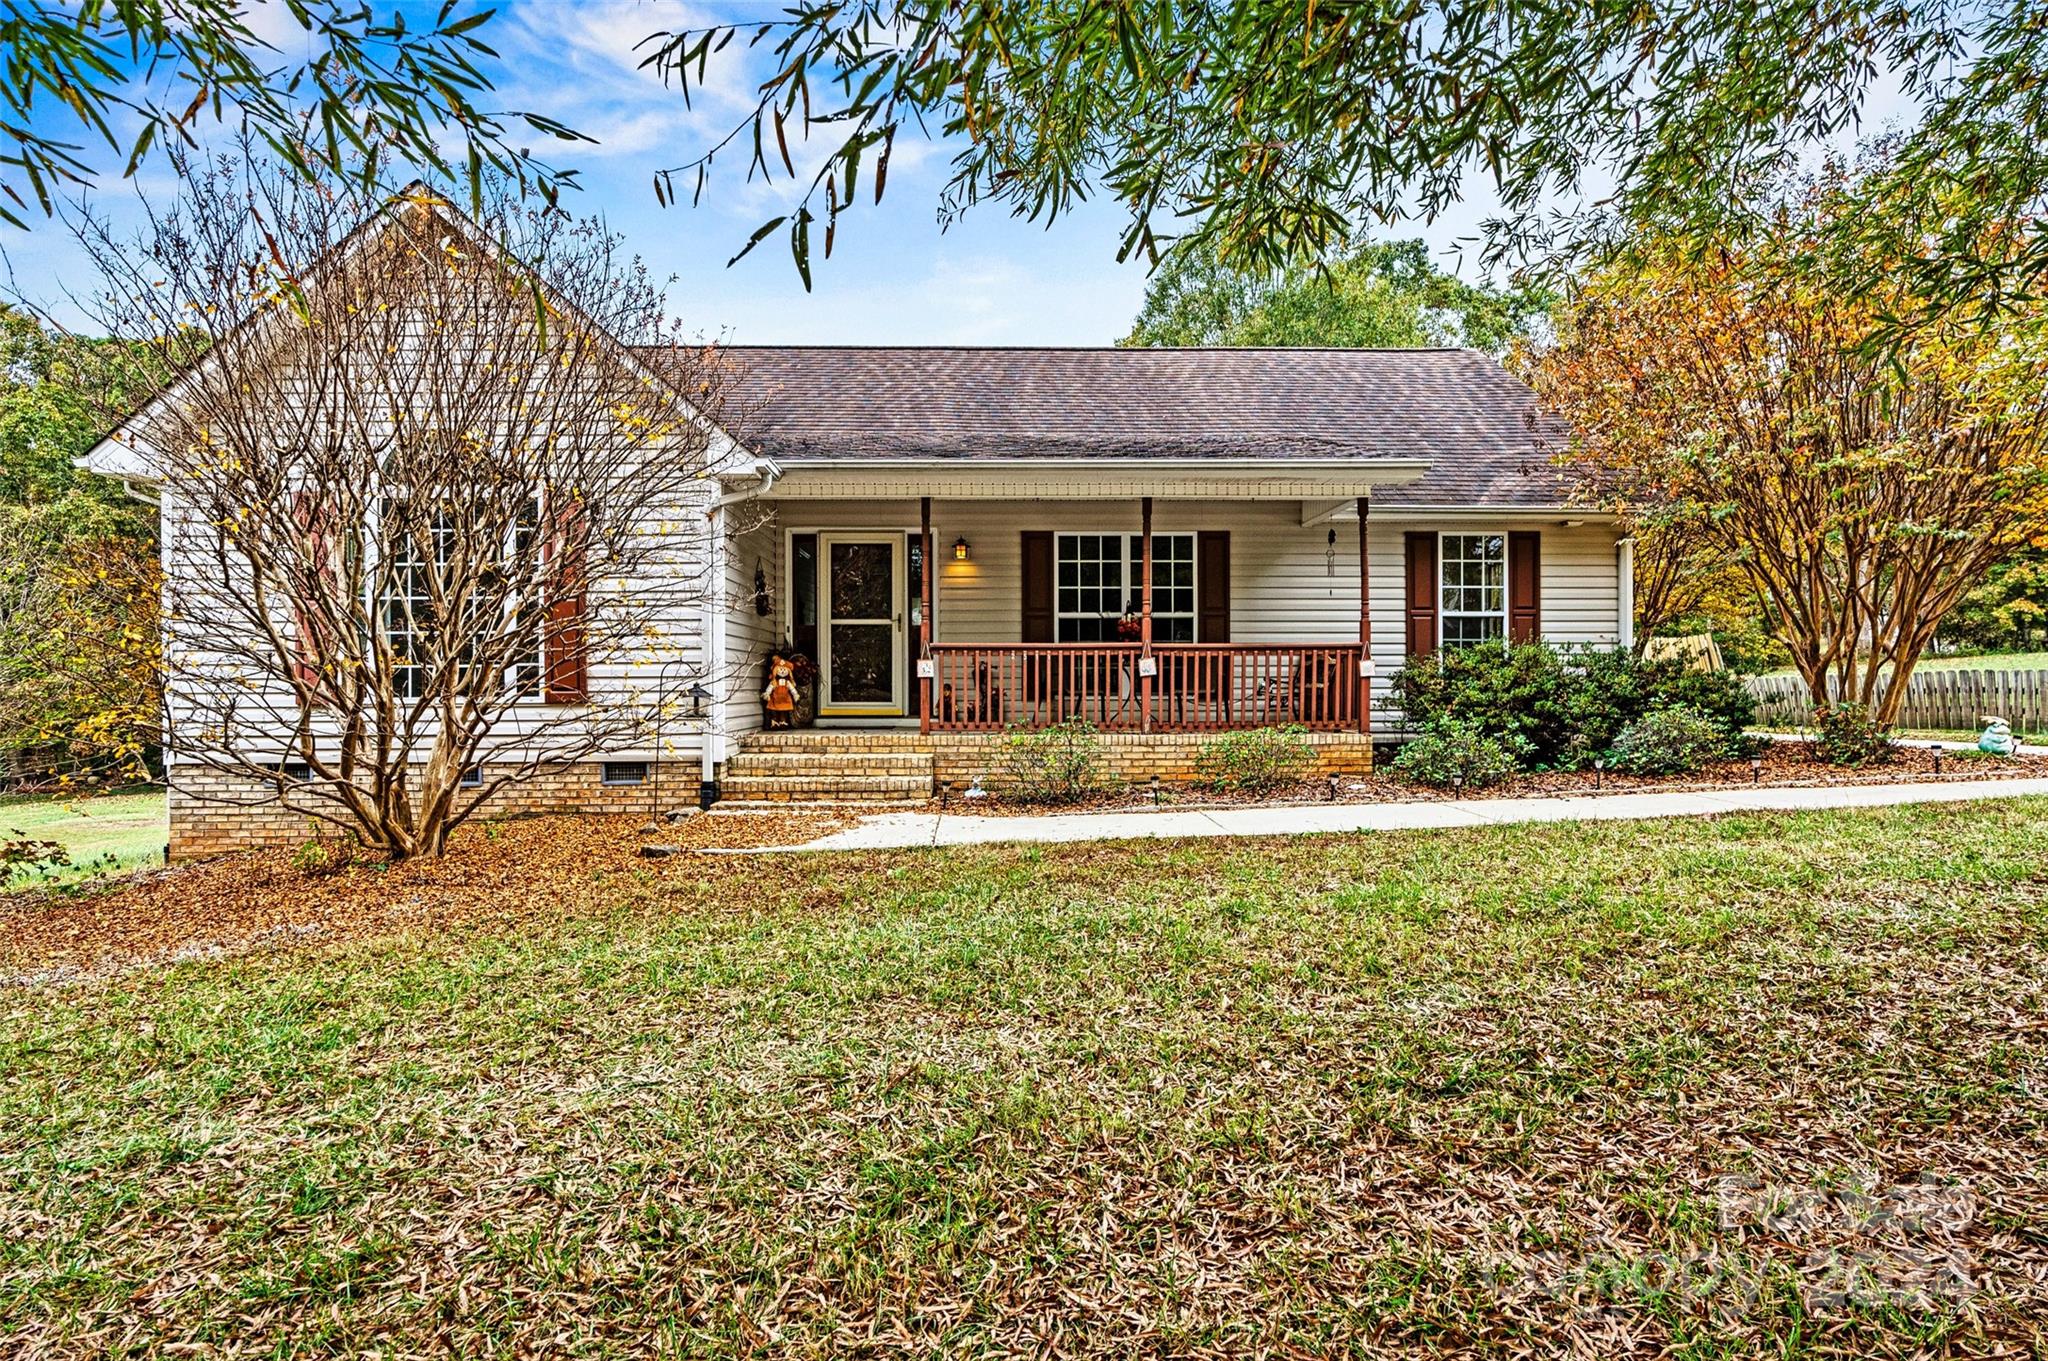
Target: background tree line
[(78, 574)]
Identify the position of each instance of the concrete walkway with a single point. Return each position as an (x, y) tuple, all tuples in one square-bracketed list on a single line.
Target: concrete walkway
[(889, 831)]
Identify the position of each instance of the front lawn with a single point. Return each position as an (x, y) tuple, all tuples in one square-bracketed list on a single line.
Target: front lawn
[(101, 833), (1770, 1083)]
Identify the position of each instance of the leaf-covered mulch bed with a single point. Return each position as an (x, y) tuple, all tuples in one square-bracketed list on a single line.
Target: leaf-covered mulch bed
[(497, 873), (1784, 764), (1743, 1086)]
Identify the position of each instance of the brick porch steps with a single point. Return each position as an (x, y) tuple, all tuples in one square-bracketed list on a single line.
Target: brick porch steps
[(778, 773)]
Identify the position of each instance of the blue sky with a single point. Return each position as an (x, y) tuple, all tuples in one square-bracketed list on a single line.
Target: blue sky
[(894, 276)]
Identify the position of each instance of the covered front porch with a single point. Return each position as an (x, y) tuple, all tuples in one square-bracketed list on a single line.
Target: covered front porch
[(1207, 601)]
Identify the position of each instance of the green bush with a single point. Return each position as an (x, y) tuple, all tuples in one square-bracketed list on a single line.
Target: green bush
[(1057, 764), (1256, 760), (1611, 690), (1673, 741), (1846, 735), (1559, 709), (1516, 695), (1453, 752)]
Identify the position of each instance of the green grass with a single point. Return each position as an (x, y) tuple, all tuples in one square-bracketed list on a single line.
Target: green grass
[(103, 833), (1713, 1088)]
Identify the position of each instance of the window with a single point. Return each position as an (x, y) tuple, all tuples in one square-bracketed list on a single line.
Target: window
[(472, 778), (1173, 584), (1091, 587), (422, 563), (408, 605), (624, 772), (1474, 602), (1101, 577)]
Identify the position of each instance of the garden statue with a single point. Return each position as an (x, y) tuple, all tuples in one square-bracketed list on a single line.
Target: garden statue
[(1997, 738), (779, 699)]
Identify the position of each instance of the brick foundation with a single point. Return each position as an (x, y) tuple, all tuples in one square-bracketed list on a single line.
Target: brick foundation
[(213, 813), (1127, 758)]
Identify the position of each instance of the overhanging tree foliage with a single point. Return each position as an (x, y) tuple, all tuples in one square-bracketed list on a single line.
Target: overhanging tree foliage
[(1728, 399), (424, 513), (132, 77), (1272, 130)]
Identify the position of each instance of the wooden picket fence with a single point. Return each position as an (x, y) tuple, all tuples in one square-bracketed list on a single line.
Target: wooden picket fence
[(1957, 700)]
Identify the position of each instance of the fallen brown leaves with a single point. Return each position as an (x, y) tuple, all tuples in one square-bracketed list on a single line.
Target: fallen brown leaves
[(1784, 765), (1755, 1085), (495, 875)]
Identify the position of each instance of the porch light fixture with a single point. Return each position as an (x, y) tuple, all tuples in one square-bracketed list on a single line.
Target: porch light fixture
[(960, 550)]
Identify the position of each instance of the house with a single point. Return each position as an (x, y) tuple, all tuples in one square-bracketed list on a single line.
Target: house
[(1167, 543)]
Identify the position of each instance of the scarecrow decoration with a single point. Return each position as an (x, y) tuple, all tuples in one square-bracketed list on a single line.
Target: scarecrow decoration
[(780, 698)]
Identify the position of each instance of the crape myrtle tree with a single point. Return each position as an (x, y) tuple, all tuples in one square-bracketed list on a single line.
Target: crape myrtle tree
[(1730, 402), (423, 509)]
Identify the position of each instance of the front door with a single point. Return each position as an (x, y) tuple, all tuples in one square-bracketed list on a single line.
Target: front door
[(861, 635)]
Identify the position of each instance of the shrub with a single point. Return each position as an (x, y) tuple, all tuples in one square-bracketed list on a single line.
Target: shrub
[(1519, 695), (1451, 751), (1670, 741), (1256, 760), (1614, 689), (1849, 736), (1557, 709), (1057, 764)]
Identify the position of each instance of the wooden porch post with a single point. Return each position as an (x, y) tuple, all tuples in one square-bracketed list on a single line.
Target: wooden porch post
[(1364, 620), (1145, 621), (924, 618)]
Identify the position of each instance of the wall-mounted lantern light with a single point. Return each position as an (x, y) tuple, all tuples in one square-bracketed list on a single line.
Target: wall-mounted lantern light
[(960, 550)]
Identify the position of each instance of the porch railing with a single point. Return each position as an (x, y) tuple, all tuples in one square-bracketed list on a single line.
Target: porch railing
[(1198, 687)]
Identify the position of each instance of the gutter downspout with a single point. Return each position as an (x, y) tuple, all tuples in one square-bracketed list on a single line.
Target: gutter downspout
[(711, 736), (711, 733), (1625, 592)]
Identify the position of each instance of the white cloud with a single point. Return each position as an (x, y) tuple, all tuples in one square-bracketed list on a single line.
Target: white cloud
[(608, 41)]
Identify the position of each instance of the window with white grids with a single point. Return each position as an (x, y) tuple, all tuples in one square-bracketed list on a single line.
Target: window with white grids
[(1474, 603), (1091, 587), (1101, 578), (409, 611), (1173, 584)]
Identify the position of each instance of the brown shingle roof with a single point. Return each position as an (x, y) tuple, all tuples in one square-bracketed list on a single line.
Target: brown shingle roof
[(1480, 427)]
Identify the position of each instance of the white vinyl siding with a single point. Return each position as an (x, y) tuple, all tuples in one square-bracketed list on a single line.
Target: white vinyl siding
[(1288, 583)]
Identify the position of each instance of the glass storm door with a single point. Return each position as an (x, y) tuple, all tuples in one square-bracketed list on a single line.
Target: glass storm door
[(862, 632)]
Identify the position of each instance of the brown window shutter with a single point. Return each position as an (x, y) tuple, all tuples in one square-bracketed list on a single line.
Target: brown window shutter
[(1525, 586), (1212, 586), (1037, 577), (1423, 588), (567, 658)]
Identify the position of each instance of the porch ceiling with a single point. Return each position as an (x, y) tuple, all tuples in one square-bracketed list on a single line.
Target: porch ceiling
[(1082, 480)]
